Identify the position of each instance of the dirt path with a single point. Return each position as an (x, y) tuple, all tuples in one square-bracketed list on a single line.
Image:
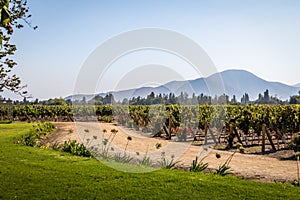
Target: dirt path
[(258, 167)]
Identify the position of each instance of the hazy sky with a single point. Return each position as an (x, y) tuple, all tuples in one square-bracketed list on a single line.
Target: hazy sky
[(260, 36)]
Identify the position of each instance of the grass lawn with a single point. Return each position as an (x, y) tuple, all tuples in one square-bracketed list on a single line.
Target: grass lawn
[(35, 173)]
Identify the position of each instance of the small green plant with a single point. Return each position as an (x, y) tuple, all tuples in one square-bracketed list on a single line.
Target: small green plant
[(122, 158), (164, 163), (75, 148), (107, 119), (240, 148), (158, 145), (56, 146), (224, 169), (104, 153), (198, 166), (146, 161)]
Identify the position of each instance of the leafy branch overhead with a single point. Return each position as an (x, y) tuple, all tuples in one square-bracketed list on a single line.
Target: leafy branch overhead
[(12, 15)]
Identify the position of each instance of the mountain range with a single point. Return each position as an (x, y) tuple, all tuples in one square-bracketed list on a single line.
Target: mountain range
[(297, 85), (230, 82)]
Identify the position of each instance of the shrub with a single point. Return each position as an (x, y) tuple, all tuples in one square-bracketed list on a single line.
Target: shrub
[(122, 158), (198, 166), (295, 144), (146, 161), (224, 169), (107, 119), (75, 148), (37, 132), (167, 164)]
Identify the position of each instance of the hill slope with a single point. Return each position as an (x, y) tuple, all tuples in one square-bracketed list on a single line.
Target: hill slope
[(231, 82)]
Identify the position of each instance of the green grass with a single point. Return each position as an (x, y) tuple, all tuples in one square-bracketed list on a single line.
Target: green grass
[(35, 173)]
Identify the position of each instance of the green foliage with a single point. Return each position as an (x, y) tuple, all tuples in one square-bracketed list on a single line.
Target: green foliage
[(122, 158), (37, 132), (146, 161), (107, 119), (282, 119), (295, 99), (4, 13), (6, 122), (295, 144), (223, 170), (75, 148), (106, 143), (198, 166), (41, 130), (11, 13), (164, 163)]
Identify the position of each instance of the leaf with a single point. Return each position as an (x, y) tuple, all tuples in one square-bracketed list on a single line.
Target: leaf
[(5, 16), (4, 3)]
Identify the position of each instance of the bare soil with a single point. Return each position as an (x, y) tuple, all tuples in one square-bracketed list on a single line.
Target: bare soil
[(278, 166)]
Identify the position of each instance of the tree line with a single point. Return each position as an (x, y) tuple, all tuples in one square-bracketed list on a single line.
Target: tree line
[(170, 98)]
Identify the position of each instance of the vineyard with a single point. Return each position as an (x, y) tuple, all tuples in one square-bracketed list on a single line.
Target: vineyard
[(249, 125)]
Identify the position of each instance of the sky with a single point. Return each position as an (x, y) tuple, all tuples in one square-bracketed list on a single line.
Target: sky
[(261, 36)]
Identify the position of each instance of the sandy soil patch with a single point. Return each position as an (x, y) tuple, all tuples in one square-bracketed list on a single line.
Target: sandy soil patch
[(267, 168)]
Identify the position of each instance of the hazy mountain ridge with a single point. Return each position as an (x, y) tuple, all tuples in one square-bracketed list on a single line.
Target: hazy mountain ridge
[(297, 85), (234, 82)]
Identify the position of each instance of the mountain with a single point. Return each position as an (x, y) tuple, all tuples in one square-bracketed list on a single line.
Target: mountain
[(297, 85), (240, 81), (230, 82)]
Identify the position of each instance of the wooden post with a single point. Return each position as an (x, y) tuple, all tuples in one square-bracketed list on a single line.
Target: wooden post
[(270, 139), (169, 128), (205, 132), (230, 136), (238, 136), (263, 138), (284, 140), (212, 135)]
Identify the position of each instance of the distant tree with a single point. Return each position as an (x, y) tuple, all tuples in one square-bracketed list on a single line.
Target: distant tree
[(194, 98), (25, 101), (69, 101), (125, 101), (233, 100), (295, 99), (83, 101), (152, 95), (266, 96), (36, 101), (245, 99), (97, 100), (267, 99), (223, 99), (150, 98), (109, 99)]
